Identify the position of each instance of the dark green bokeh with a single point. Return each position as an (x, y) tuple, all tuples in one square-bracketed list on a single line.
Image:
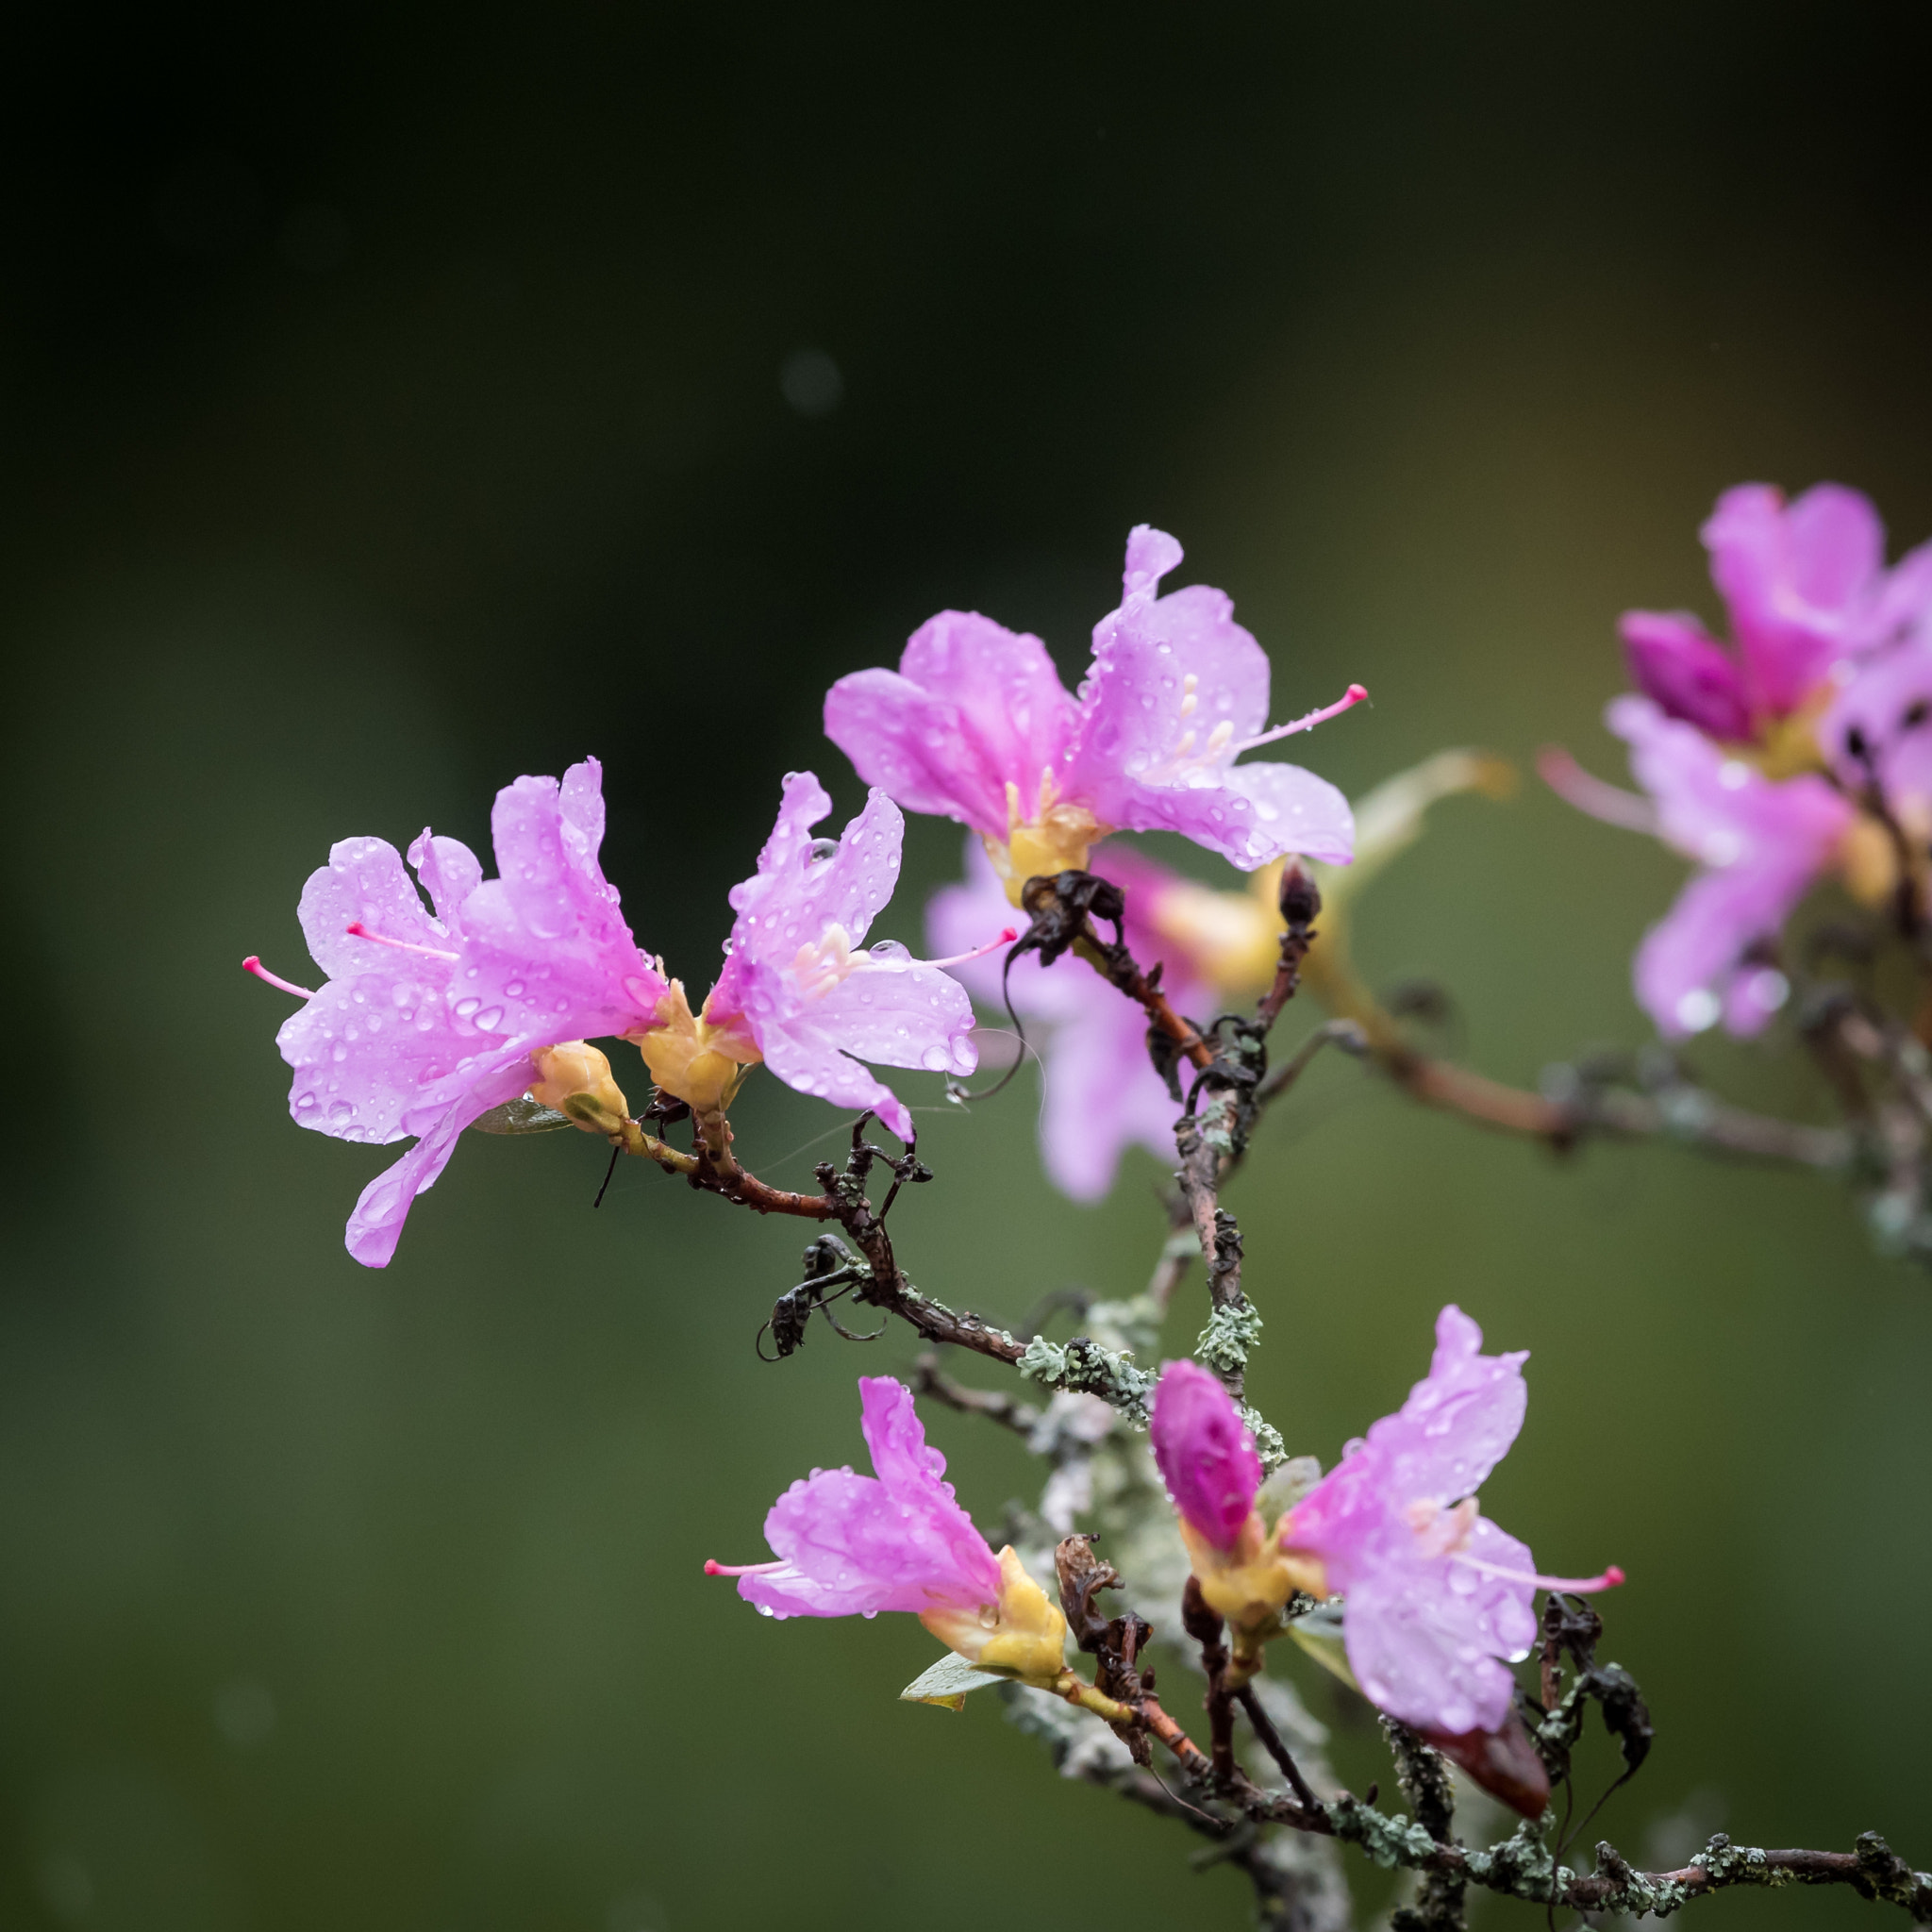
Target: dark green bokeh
[(392, 406)]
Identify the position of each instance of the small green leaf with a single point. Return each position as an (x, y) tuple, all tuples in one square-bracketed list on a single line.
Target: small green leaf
[(521, 1115), (1319, 1632), (947, 1683)]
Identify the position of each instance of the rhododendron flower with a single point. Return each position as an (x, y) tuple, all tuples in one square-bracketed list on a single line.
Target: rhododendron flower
[(1214, 1475), (426, 1023), (797, 993), (1758, 845), (975, 726), (1437, 1596), (1807, 591), (853, 1545)]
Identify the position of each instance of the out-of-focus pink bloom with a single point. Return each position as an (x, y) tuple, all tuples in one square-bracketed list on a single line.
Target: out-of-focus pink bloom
[(1437, 1595), (1807, 590), (1879, 730), (853, 1545), (1102, 1092), (425, 1023), (1758, 846), (796, 993), (1206, 1457), (975, 726)]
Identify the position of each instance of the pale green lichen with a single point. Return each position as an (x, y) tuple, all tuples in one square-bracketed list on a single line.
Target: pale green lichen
[(1233, 1330), (1268, 1443), (1084, 1366)]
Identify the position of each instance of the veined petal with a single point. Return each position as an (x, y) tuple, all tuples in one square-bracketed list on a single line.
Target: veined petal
[(971, 707), (377, 1224), (855, 1545), (1458, 1421), (363, 881)]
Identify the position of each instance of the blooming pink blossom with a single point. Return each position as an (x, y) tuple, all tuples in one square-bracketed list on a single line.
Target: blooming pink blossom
[(853, 1545), (1806, 589), (796, 993), (1102, 1092), (1758, 845), (1205, 1455), (1437, 1596), (424, 1022), (975, 726)]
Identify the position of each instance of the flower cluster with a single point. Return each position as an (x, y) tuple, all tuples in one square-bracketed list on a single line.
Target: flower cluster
[(426, 1023), (1800, 752), (1802, 749), (1437, 1600), (428, 1020)]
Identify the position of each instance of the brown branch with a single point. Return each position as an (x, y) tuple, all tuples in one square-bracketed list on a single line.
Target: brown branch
[(994, 1405), (1204, 1625), (886, 1286), (1121, 971), (1271, 1742), (713, 1169)]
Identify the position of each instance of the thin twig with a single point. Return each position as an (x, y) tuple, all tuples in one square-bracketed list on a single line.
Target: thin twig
[(994, 1405)]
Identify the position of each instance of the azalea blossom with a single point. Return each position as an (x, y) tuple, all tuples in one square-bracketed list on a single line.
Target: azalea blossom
[(853, 1545), (1758, 845), (1807, 593), (1737, 748), (426, 1023), (796, 991), (975, 726), (1438, 1597)]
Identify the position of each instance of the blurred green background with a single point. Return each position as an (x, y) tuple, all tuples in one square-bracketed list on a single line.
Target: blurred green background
[(398, 400)]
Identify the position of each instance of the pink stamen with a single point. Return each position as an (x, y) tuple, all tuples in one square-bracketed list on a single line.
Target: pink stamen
[(1355, 694), (1006, 937), (712, 1568), (1581, 1586), (1599, 798), (252, 964), (356, 930)]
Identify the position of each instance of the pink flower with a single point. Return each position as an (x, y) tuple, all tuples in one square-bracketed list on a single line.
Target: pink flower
[(1758, 846), (853, 1545), (975, 726), (1806, 589), (796, 992), (1102, 1092), (1206, 1457), (425, 1023), (1437, 1595)]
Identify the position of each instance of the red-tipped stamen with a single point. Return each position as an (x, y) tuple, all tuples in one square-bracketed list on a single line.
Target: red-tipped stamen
[(713, 1568), (254, 965), (1597, 796), (1579, 1586), (1355, 694), (1006, 937), (356, 930)]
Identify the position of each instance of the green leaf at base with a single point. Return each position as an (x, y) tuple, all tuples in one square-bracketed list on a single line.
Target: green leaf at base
[(521, 1115), (947, 1683)]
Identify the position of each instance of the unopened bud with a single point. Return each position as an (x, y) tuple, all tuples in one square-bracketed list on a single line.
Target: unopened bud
[(576, 1079), (1301, 898)]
